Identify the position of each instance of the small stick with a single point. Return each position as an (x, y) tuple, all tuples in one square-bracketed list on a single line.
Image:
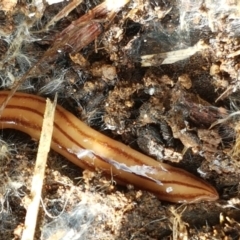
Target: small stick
[(39, 171)]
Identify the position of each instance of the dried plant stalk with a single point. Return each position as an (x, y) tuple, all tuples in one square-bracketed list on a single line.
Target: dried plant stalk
[(173, 56), (39, 171)]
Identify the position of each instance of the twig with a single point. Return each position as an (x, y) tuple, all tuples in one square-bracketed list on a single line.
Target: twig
[(39, 171)]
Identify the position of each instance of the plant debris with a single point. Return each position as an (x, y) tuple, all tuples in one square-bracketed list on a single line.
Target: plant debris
[(160, 76)]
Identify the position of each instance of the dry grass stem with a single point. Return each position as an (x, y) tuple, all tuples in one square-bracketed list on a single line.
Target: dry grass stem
[(39, 171)]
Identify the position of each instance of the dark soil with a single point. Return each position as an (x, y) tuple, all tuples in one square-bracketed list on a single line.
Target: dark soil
[(174, 112)]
